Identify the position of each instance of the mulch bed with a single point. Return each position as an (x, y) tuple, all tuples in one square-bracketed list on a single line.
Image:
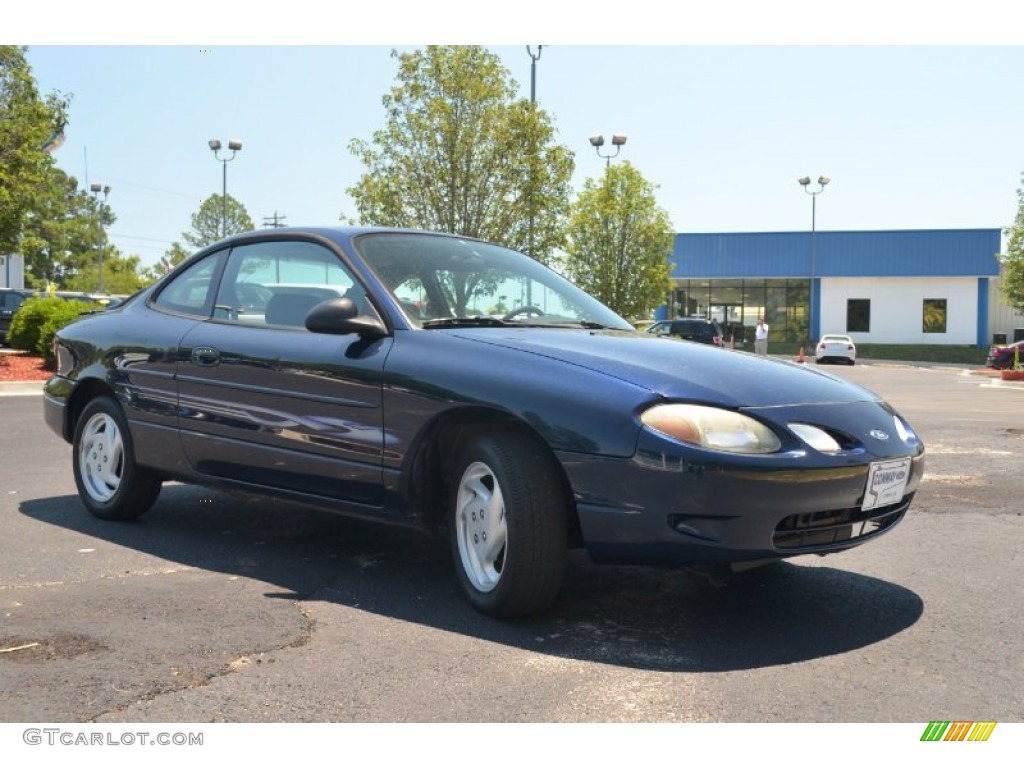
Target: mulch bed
[(21, 366)]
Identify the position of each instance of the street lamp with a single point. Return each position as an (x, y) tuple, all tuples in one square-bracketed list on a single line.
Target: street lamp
[(96, 188), (234, 145), (534, 58), (805, 182), (618, 139)]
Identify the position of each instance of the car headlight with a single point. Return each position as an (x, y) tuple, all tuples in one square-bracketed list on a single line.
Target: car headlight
[(904, 431), (712, 428), (817, 438)]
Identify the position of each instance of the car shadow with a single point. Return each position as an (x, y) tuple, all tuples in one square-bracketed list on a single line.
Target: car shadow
[(637, 617)]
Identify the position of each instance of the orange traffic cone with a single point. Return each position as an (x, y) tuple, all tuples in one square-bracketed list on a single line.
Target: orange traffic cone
[(800, 357), (732, 342)]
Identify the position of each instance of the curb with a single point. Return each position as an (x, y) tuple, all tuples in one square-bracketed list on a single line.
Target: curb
[(19, 388)]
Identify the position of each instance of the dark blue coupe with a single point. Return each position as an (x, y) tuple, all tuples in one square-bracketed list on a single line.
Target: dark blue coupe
[(445, 383)]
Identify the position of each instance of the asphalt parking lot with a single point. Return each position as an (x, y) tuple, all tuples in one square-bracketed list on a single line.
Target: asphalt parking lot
[(216, 608)]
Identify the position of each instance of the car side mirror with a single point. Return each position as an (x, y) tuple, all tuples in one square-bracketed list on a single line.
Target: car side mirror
[(340, 317)]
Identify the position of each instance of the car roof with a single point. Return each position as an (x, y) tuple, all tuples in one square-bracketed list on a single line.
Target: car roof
[(336, 233)]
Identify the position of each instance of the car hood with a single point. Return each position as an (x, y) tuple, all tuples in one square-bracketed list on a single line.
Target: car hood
[(678, 369)]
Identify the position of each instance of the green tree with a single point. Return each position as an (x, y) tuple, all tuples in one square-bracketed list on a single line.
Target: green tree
[(206, 222), (121, 274), (172, 257), (176, 254), (460, 153), (619, 242), (27, 123), (1013, 260), (62, 235)]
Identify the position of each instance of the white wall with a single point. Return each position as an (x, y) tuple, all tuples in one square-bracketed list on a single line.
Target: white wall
[(897, 308), (12, 272), (1001, 318)]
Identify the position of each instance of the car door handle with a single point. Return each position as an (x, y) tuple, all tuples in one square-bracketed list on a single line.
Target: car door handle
[(205, 356)]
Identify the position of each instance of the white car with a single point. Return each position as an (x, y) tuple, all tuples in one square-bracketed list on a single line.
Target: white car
[(834, 348)]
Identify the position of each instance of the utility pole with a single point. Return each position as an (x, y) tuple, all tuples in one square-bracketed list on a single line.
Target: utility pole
[(275, 221)]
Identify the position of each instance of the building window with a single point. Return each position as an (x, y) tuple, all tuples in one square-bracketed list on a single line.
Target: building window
[(858, 315), (934, 318), (738, 303)]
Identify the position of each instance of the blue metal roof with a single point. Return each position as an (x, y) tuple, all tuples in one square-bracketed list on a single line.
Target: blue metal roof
[(893, 253)]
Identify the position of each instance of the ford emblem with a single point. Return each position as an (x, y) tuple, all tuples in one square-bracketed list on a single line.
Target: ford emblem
[(879, 434)]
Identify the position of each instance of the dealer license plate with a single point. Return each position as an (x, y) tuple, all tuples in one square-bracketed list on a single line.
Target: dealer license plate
[(887, 482)]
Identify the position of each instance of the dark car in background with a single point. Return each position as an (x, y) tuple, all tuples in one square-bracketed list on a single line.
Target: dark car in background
[(697, 329), (11, 300), (387, 375), (1002, 357)]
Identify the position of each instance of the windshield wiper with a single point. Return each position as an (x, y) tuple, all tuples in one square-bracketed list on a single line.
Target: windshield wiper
[(588, 324), (495, 322), (466, 322)]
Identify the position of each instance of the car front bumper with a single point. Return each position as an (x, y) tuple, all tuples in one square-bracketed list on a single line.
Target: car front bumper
[(683, 511), (56, 394)]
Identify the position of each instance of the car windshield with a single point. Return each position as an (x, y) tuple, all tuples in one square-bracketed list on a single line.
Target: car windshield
[(444, 282)]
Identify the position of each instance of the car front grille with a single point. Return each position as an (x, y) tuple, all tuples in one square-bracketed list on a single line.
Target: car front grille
[(816, 530)]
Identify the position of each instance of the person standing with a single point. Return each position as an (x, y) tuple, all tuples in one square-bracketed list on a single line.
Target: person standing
[(761, 337)]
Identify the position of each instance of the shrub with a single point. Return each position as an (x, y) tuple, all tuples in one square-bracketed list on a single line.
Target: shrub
[(38, 319)]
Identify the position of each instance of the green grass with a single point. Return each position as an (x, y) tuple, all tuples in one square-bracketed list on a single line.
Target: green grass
[(918, 353)]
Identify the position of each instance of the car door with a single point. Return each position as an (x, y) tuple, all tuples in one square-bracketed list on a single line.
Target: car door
[(146, 359), (264, 401)]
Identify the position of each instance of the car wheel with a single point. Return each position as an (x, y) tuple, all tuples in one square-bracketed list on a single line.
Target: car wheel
[(508, 531), (109, 482)]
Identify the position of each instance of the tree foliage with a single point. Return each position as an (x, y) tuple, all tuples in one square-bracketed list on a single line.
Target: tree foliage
[(27, 123), (63, 232), (172, 257), (121, 274), (206, 222), (1013, 260), (619, 242), (460, 153)]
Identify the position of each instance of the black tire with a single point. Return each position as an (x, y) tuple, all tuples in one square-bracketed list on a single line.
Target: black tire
[(110, 484), (506, 489)]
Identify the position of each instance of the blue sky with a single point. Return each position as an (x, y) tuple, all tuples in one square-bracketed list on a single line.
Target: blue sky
[(913, 136)]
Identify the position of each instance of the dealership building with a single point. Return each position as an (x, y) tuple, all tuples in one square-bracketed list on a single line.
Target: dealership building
[(884, 287)]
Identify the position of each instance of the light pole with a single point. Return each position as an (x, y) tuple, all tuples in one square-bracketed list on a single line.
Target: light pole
[(618, 139), (234, 145), (96, 188), (534, 58), (805, 182)]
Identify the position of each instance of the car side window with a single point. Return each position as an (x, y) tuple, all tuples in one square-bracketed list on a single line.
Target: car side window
[(191, 292), (276, 283), (11, 300)]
